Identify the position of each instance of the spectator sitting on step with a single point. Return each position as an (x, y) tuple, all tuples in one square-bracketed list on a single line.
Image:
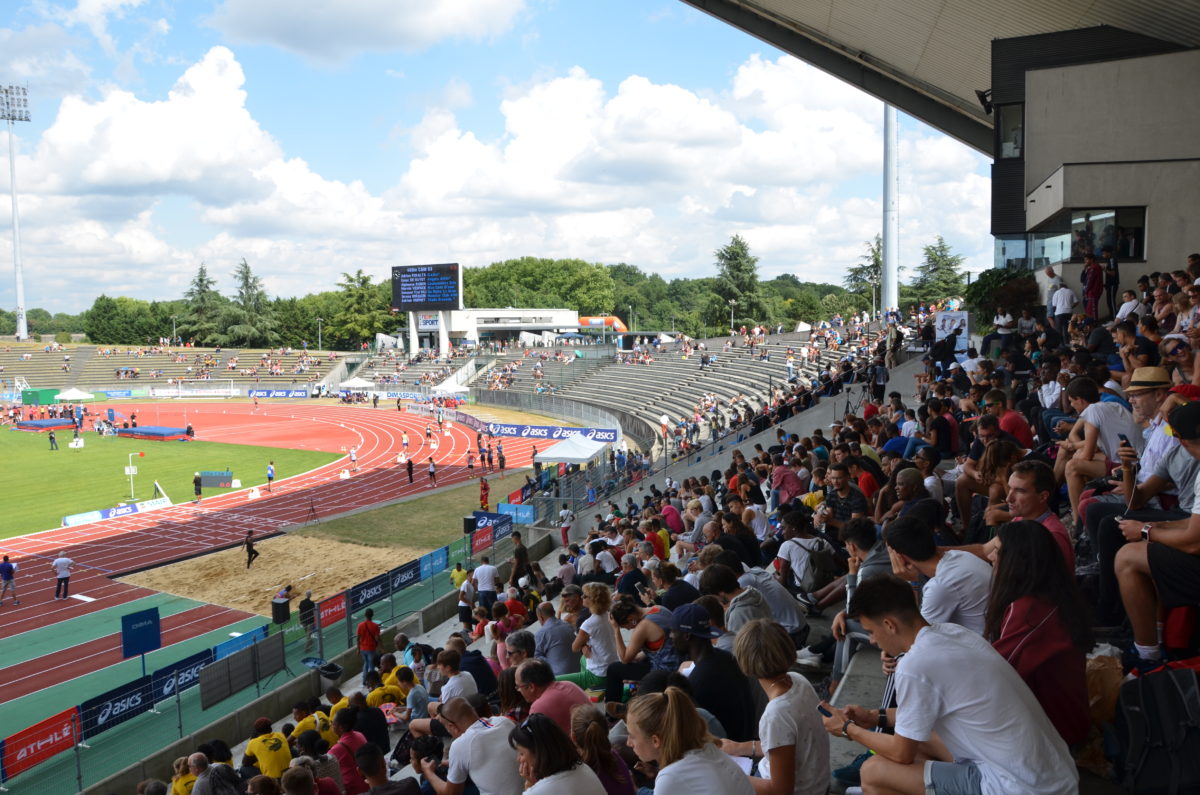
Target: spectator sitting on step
[(991, 733)]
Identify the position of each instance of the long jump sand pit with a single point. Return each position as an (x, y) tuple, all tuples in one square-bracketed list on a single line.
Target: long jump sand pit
[(308, 563)]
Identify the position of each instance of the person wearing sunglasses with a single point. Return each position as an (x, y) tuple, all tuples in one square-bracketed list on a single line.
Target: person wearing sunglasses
[(549, 762), (1179, 358)]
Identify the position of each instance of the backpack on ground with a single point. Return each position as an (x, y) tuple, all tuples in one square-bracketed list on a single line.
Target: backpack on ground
[(1158, 722), (823, 565)]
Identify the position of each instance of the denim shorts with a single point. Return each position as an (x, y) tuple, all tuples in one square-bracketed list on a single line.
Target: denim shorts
[(952, 778)]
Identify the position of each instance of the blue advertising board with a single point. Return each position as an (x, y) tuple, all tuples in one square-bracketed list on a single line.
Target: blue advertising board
[(441, 559), (521, 514), (406, 575), (426, 566), (115, 707), (368, 592), (118, 393), (501, 524), (179, 676), (245, 640), (552, 432), (140, 632)]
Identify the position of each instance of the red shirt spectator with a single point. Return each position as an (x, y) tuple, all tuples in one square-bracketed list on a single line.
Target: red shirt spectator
[(1014, 423)]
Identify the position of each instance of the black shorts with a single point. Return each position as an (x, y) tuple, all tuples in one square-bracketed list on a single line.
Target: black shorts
[(1176, 573), (464, 615), (437, 729)]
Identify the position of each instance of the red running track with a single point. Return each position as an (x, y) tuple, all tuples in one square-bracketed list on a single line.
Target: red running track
[(32, 675), (103, 550)]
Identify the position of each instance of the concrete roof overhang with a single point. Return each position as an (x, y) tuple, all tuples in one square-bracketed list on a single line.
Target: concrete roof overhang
[(930, 57)]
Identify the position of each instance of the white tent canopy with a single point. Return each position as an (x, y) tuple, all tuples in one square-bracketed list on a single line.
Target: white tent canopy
[(573, 450), (357, 383), (451, 389), (74, 394)]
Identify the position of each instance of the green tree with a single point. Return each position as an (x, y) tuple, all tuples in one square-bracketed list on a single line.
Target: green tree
[(940, 274), (737, 280), (103, 322), (364, 309), (867, 276), (201, 320), (248, 319), (586, 287)]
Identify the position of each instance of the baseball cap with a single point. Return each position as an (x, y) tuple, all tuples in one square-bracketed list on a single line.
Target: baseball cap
[(1185, 421), (694, 620)]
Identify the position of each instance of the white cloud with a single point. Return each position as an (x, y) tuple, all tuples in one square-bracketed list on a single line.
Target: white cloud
[(336, 31), (94, 14), (41, 56), (647, 173)]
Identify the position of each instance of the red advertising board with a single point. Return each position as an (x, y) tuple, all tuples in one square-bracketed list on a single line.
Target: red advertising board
[(562, 470), (39, 742), (332, 610), (481, 540), (515, 497)]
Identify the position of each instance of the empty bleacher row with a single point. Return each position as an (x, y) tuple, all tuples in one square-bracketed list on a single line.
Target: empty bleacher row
[(675, 386), (125, 367)]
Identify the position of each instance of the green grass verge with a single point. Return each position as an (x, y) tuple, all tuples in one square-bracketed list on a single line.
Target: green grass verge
[(425, 522), (41, 486)]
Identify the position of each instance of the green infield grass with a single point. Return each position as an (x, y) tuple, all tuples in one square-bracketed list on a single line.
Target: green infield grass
[(43, 486), (428, 521)]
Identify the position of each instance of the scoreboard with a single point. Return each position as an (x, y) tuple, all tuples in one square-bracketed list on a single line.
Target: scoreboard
[(424, 287)]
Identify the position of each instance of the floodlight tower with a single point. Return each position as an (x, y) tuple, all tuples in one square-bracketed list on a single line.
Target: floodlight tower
[(14, 107)]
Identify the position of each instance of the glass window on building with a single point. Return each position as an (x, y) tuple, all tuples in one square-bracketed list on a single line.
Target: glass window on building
[(1122, 229), (1011, 252), (1130, 236), (1010, 127)]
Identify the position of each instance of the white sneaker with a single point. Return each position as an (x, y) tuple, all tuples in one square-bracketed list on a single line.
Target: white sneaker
[(809, 659), (853, 791)]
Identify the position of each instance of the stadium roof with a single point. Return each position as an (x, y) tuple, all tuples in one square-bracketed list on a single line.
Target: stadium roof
[(929, 57)]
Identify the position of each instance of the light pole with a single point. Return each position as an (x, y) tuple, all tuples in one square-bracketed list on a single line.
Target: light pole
[(174, 336), (732, 304), (14, 106), (319, 321)]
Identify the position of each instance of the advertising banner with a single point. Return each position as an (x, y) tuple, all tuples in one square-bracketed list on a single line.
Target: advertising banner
[(501, 524), (426, 566), (369, 592), (552, 432), (140, 632), (406, 575), (947, 323), (245, 640), (332, 610), (515, 498), (279, 393), (521, 514), (42, 740), (144, 506), (118, 393), (481, 540), (115, 707), (441, 559), (179, 676)]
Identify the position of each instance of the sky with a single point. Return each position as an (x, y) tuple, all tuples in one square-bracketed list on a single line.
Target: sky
[(315, 138)]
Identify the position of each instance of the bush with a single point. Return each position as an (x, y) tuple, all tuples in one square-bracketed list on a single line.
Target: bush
[(1012, 289), (63, 337)]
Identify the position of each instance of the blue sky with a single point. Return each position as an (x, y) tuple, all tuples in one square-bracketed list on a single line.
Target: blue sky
[(313, 143)]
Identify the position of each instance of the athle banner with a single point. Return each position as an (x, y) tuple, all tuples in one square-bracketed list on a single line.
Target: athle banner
[(44, 739)]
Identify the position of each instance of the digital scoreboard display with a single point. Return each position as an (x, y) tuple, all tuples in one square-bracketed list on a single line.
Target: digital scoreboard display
[(422, 287)]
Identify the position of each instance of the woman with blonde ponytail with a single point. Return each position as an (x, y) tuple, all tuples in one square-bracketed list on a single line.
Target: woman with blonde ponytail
[(589, 732), (666, 728)]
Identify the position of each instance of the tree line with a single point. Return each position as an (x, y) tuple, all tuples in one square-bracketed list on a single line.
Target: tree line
[(247, 317)]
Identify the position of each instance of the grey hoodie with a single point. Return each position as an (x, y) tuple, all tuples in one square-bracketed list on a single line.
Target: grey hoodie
[(744, 608)]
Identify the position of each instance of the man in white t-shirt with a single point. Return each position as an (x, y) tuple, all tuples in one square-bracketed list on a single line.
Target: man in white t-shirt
[(466, 604), (1091, 449), (1063, 302), (62, 566), (959, 582), (486, 578), (949, 681), (480, 751)]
